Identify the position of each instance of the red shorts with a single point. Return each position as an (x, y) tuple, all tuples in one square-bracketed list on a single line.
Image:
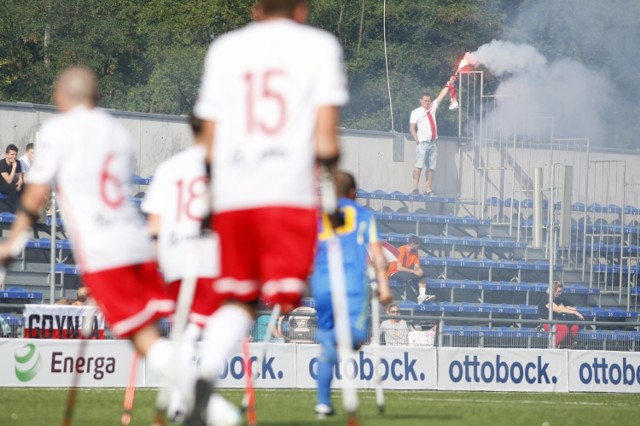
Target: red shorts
[(265, 253), (204, 302), (130, 297)]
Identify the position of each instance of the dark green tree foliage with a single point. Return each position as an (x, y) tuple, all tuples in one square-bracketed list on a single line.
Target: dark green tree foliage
[(149, 53)]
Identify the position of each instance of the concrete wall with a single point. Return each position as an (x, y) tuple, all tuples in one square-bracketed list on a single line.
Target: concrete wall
[(382, 160), (156, 136)]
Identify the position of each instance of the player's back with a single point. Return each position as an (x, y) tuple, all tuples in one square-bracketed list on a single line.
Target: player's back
[(262, 86), (357, 232), (89, 156), (178, 195)]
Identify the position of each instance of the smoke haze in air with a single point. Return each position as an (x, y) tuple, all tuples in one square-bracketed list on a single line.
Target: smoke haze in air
[(587, 80)]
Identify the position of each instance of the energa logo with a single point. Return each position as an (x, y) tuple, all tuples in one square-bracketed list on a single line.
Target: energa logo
[(28, 362)]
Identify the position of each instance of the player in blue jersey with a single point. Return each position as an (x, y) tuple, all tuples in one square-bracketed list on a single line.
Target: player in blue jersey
[(357, 235)]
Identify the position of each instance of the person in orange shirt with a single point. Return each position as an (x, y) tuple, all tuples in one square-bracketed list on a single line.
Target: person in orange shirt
[(408, 271)]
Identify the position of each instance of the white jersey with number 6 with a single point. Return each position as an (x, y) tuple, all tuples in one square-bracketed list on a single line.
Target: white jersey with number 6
[(89, 157), (262, 86), (178, 195)]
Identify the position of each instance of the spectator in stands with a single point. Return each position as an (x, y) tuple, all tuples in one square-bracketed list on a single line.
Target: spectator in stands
[(562, 310), (423, 128), (25, 161), (63, 301), (358, 235), (407, 269), (81, 297), (11, 182), (115, 249), (394, 331)]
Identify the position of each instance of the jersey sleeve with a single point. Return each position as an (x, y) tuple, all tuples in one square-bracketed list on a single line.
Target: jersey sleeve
[(209, 98), (47, 157), (413, 119), (152, 202), (331, 88)]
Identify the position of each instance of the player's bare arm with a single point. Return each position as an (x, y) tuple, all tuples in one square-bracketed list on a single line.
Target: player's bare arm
[(444, 91), (327, 120), (208, 135), (412, 129)]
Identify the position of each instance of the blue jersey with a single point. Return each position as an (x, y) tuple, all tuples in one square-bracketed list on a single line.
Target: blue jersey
[(358, 231)]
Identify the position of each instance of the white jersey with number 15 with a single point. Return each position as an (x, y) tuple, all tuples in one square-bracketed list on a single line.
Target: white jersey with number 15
[(262, 86)]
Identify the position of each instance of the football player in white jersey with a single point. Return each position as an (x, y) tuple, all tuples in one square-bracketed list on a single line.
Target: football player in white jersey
[(270, 102), (176, 203), (88, 156)]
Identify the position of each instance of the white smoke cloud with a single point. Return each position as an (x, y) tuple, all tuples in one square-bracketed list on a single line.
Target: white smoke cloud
[(565, 92), (589, 81), (503, 57)]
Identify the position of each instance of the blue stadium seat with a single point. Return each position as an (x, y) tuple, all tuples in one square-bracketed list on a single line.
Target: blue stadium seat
[(484, 263), (139, 180), (45, 243), (486, 308), (20, 293), (483, 331), (6, 217), (63, 268)]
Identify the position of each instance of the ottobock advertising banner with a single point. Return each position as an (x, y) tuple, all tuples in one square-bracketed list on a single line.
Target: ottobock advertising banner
[(600, 371), (53, 363), (521, 370), (59, 322), (273, 370), (401, 367)]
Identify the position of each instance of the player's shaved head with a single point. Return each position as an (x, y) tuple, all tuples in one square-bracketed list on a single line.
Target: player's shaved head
[(286, 8), (345, 185), (76, 86)]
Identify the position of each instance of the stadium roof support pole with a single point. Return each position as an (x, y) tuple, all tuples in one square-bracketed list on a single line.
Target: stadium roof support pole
[(52, 275)]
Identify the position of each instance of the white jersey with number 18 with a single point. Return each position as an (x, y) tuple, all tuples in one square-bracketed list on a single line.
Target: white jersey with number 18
[(88, 156), (178, 194), (262, 86)]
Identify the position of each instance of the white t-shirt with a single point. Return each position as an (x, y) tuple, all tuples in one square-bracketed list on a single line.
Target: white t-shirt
[(395, 333), (25, 165), (88, 156), (262, 85), (178, 194), (421, 120)]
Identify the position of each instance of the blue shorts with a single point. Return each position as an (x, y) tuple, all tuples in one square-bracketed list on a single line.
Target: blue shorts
[(426, 155)]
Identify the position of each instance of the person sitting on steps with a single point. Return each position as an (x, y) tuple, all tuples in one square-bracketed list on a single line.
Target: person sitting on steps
[(408, 271)]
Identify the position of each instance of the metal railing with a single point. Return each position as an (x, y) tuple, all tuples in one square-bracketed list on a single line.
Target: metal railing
[(451, 332)]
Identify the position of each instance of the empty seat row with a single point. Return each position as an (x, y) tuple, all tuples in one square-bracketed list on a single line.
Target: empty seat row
[(576, 207), (520, 265), (395, 237), (502, 308), (431, 218), (379, 194), (20, 293)]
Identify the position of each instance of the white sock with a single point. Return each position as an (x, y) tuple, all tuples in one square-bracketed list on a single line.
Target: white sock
[(223, 334), (422, 290), (159, 355)]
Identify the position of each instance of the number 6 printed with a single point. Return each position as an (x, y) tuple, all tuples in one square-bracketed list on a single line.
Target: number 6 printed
[(110, 186)]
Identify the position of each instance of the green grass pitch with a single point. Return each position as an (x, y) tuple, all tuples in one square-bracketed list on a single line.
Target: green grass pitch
[(96, 407)]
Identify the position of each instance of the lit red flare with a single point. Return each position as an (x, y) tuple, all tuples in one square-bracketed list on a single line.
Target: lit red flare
[(452, 90)]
